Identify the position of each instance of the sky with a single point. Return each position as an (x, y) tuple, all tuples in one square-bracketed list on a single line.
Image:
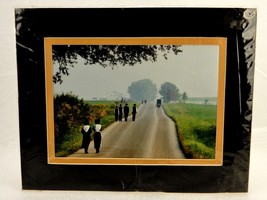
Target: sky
[(194, 71)]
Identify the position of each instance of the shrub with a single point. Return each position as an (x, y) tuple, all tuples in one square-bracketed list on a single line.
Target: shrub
[(69, 112), (206, 133)]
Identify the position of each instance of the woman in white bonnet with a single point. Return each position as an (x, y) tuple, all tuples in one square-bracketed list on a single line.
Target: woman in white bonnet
[(97, 136), (86, 131)]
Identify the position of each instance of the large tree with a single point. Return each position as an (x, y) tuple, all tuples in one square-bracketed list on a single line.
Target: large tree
[(169, 92), (143, 90)]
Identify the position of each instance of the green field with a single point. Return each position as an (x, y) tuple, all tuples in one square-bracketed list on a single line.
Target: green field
[(202, 99), (196, 127), (99, 102)]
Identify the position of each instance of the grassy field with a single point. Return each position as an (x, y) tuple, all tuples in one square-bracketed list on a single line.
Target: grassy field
[(202, 99), (196, 126)]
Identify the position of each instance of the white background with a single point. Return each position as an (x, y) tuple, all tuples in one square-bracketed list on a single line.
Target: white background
[(10, 177)]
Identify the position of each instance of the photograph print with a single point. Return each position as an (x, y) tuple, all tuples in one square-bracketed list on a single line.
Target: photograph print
[(146, 101)]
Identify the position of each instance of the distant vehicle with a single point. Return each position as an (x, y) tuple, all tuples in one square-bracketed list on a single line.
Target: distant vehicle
[(158, 103)]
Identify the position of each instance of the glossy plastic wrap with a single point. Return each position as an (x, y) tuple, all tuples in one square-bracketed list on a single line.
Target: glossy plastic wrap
[(238, 25)]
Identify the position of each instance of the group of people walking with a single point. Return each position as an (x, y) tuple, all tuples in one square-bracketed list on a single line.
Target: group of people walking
[(94, 132), (123, 111), (91, 133)]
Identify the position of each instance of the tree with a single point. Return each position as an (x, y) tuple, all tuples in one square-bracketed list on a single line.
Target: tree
[(184, 97), (143, 89), (66, 55), (107, 55), (169, 92)]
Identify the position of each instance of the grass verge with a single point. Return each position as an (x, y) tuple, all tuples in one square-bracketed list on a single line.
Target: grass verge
[(196, 126)]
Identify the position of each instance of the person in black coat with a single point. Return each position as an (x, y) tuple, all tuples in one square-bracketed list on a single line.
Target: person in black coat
[(134, 112), (116, 113), (86, 132), (97, 136), (120, 112), (126, 111)]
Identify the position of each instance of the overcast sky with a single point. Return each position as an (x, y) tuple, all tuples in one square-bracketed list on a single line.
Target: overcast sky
[(194, 71)]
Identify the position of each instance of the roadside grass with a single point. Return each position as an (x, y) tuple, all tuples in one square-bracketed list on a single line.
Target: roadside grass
[(196, 127), (72, 141)]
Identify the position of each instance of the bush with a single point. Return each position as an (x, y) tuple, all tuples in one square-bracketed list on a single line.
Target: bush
[(198, 150), (70, 143), (98, 111), (69, 112), (206, 133)]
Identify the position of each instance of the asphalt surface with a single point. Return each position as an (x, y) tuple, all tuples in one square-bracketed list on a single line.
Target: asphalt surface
[(151, 135)]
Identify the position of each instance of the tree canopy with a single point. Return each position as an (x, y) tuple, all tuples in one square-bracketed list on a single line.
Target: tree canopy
[(184, 96), (169, 92), (66, 55), (107, 55), (143, 90)]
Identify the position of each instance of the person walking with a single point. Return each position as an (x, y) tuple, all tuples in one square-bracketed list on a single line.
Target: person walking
[(116, 113), (120, 112), (97, 136), (86, 132), (134, 112), (126, 111)]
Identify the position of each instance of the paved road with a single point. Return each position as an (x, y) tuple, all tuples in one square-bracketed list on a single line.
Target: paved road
[(151, 135)]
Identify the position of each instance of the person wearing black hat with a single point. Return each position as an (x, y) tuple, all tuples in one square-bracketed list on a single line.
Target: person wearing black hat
[(116, 113), (126, 111), (134, 112), (120, 112)]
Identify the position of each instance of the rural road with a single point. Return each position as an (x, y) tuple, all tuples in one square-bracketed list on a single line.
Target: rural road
[(151, 135)]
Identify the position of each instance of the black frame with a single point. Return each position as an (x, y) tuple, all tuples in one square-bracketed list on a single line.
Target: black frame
[(33, 25)]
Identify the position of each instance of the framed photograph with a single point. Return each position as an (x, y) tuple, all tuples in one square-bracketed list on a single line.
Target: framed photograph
[(162, 104), (171, 127)]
